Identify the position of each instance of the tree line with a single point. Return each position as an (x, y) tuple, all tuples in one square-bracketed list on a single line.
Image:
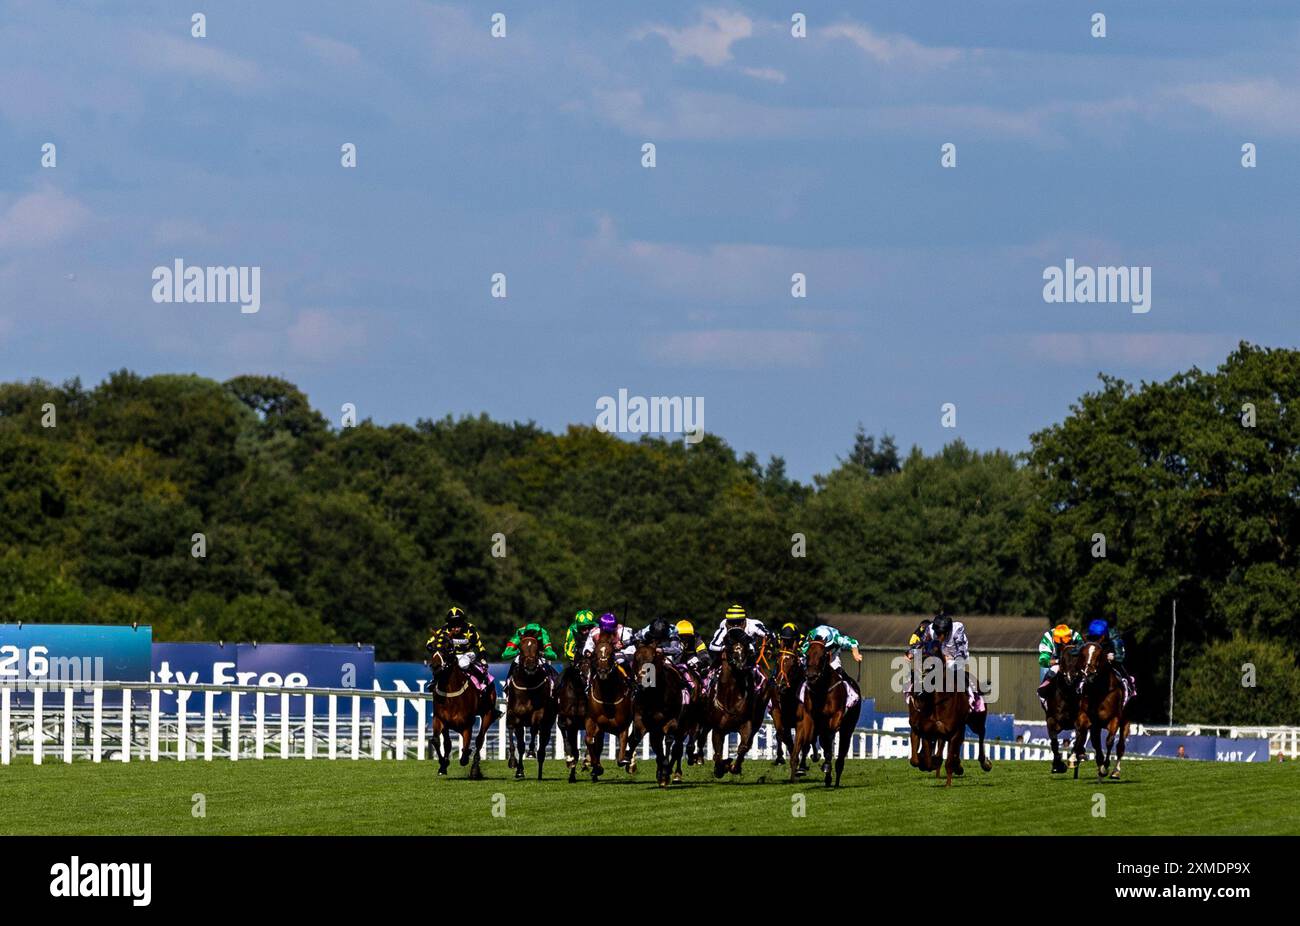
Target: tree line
[(1190, 488)]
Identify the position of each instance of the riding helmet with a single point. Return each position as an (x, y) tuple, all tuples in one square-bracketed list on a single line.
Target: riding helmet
[(941, 625)]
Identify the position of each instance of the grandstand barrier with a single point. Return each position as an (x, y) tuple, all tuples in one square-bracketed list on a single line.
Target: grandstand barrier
[(121, 721)]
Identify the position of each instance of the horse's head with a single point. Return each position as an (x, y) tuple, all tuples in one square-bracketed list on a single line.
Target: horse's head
[(647, 655), (1089, 660), (530, 652), (818, 660), (1067, 662), (788, 667), (440, 660), (737, 650), (602, 658)]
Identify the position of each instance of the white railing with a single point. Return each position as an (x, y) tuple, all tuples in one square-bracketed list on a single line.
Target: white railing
[(333, 724), (1284, 740)]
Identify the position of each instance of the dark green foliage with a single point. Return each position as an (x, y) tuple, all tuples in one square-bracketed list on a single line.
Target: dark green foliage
[(370, 533)]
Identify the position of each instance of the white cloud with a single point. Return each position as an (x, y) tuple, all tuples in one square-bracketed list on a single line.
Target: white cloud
[(1262, 104), (191, 57), (1103, 349), (892, 49), (331, 50), (769, 74), (41, 218), (322, 336), (709, 40)]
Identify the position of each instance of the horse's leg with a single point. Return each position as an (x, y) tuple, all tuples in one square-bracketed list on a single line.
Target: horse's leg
[(543, 733), (747, 731), (516, 746), (1094, 734), (719, 763), (1058, 765), (1119, 747), (979, 722), (443, 752), (662, 767), (595, 740), (846, 739), (827, 741)]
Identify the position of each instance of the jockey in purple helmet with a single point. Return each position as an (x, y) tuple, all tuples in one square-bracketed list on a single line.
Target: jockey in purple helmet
[(609, 626)]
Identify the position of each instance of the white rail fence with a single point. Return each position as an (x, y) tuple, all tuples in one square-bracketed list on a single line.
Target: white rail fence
[(332, 724)]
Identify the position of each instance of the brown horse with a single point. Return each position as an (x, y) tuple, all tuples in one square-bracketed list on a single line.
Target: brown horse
[(1062, 699), (1101, 704), (530, 703), (939, 714), (783, 702), (824, 710), (571, 712), (736, 702), (456, 705), (609, 705), (658, 709)]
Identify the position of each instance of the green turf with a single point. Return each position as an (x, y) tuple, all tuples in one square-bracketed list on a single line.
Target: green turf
[(878, 797)]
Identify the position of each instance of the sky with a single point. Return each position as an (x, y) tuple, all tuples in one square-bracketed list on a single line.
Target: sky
[(774, 155)]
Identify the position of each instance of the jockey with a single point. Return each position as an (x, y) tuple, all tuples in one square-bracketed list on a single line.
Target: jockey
[(834, 641), (1049, 649), (576, 634), (950, 635), (789, 638), (531, 629), (755, 633), (1112, 644), (462, 638), (918, 637), (608, 625), (695, 652), (663, 635)]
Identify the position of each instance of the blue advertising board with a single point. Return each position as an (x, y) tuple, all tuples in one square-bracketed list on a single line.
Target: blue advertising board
[(1162, 746), (72, 653), (403, 676), (268, 665)]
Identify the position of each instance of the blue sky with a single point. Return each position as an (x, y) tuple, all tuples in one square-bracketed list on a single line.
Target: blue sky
[(775, 155)]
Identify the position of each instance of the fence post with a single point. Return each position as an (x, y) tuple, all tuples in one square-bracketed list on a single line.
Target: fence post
[(4, 726), (377, 732), (259, 727), (67, 725), (419, 731), (154, 695), (331, 726), (182, 700), (126, 725), (209, 702), (38, 725), (308, 727), (96, 724), (356, 727), (399, 748), (284, 726), (234, 726)]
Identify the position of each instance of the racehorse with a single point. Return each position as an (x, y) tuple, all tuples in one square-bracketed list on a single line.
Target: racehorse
[(609, 706), (939, 715), (530, 703), (659, 709), (1101, 704), (827, 705), (1062, 699), (457, 703), (783, 702), (736, 703), (571, 712)]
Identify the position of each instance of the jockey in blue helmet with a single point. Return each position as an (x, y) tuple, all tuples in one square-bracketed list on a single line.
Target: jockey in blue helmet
[(1112, 644)]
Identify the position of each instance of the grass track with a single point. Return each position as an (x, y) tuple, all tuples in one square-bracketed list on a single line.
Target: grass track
[(878, 797)]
